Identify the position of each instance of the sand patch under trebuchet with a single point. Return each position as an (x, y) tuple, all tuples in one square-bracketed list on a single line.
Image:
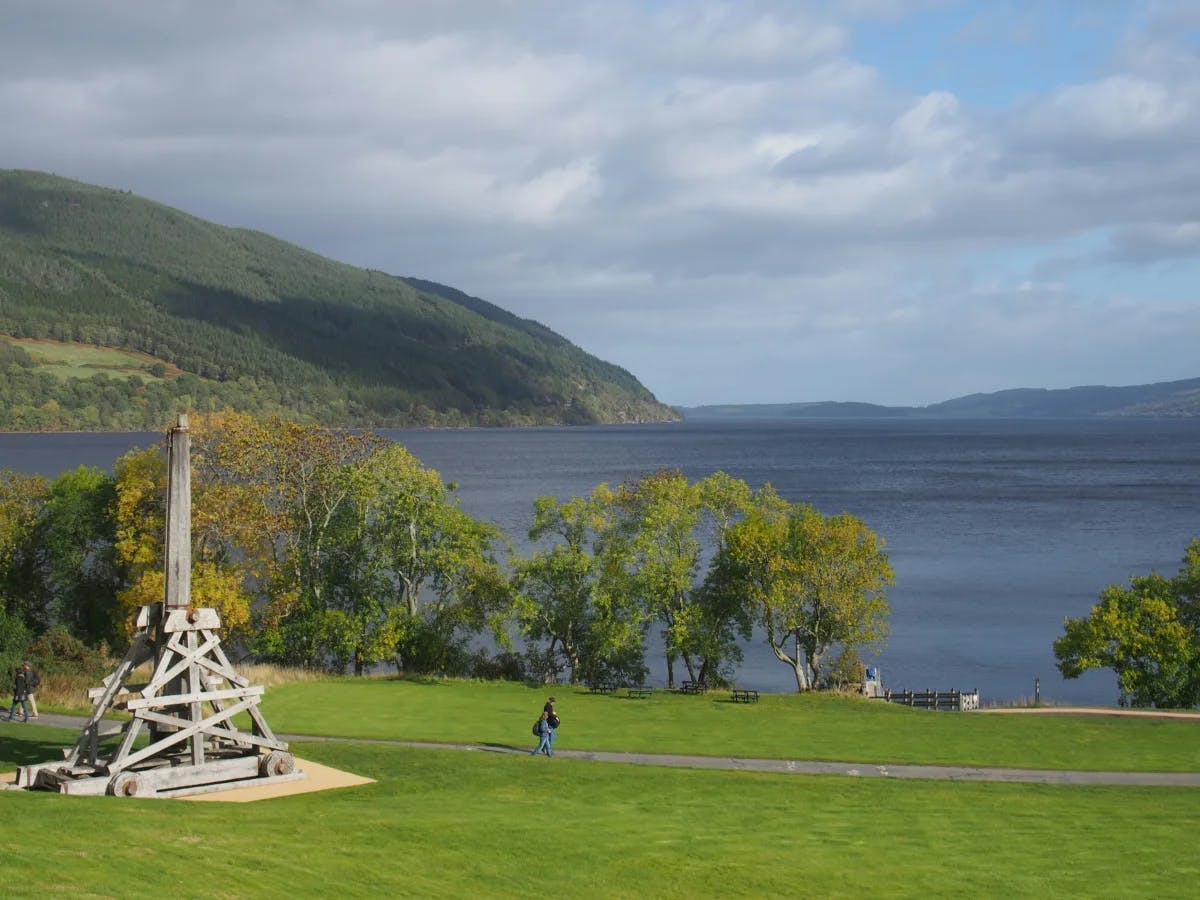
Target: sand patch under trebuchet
[(319, 778)]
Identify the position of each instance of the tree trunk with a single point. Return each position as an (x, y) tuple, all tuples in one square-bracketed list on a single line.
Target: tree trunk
[(801, 665), (797, 664), (670, 671)]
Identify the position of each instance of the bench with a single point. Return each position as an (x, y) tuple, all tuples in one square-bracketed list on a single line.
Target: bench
[(640, 693), (740, 696), (602, 687), (693, 687)]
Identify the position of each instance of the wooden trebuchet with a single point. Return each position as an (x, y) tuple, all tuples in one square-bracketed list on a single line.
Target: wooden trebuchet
[(187, 708)]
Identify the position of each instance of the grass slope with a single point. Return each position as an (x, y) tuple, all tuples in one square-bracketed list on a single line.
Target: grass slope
[(264, 326)]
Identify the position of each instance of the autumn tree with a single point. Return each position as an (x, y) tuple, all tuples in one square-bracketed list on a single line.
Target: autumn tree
[(357, 551), (269, 500), (1148, 633), (220, 568), (813, 581)]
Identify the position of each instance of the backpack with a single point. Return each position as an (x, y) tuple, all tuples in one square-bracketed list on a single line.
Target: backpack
[(537, 733), (553, 720)]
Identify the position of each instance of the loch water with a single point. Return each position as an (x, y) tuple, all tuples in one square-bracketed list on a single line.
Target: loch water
[(996, 529)]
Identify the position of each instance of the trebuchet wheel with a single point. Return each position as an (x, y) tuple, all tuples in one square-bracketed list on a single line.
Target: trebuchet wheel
[(277, 762)]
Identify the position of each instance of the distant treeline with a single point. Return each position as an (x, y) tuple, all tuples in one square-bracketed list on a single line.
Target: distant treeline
[(1174, 399)]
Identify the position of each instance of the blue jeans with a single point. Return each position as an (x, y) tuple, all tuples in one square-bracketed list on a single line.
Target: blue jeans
[(543, 744), (553, 735), (12, 712)]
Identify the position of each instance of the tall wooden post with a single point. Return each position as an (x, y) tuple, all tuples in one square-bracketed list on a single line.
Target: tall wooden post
[(179, 517)]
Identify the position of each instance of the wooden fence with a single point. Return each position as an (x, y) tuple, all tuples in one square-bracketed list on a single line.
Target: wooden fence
[(946, 700)]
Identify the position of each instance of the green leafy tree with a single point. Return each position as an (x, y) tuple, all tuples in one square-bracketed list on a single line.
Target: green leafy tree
[(1148, 633), (21, 501), (79, 571), (814, 581), (672, 528), (440, 562), (572, 594)]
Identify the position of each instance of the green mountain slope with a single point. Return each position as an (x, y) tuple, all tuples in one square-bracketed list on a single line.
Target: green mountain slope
[(239, 319), (1174, 399)]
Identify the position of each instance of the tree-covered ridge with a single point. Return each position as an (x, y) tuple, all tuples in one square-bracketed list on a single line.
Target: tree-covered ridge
[(265, 327)]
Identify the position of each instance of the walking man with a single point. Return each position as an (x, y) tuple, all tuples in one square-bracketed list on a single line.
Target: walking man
[(20, 695), (32, 681)]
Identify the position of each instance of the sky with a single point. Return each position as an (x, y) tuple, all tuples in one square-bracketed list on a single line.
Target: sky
[(889, 201)]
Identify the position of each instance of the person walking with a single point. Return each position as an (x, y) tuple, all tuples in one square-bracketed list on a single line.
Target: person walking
[(21, 695), (542, 729), (552, 720), (33, 681)]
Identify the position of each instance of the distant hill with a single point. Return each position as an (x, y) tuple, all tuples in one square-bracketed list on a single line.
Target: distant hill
[(1174, 399), (116, 312)]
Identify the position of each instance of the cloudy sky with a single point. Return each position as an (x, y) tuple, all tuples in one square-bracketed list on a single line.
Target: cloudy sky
[(897, 201)]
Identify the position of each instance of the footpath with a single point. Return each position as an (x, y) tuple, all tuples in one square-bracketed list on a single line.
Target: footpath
[(775, 766)]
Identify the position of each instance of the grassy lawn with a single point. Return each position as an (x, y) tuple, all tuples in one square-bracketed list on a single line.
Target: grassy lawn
[(453, 824), (818, 727), (70, 360)]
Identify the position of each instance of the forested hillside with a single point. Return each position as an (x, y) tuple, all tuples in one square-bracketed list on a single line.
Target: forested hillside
[(210, 317)]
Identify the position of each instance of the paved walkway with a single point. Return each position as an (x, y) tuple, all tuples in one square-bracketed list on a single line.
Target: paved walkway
[(777, 766)]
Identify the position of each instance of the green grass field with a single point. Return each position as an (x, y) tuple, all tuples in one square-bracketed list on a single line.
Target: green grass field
[(781, 726), (453, 823)]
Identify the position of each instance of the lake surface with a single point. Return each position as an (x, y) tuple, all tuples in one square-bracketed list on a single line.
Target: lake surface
[(996, 529)]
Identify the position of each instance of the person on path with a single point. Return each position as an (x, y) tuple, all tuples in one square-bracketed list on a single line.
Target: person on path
[(542, 730), (20, 695), (32, 681), (552, 720)]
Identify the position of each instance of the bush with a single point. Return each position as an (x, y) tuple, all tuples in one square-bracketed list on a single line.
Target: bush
[(541, 666), (848, 672), (502, 667), (58, 652)]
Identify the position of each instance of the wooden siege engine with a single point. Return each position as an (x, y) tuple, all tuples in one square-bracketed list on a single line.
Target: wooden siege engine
[(186, 710)]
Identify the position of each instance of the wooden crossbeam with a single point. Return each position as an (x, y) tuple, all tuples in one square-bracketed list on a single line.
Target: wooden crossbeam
[(188, 656), (234, 735), (193, 697)]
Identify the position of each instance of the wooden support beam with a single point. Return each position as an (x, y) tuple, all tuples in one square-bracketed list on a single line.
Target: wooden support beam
[(194, 697)]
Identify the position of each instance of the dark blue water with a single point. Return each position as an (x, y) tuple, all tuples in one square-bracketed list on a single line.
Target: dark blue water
[(996, 530)]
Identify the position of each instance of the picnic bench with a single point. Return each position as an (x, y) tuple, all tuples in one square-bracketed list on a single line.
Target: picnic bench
[(737, 695), (640, 693), (693, 687), (602, 687)]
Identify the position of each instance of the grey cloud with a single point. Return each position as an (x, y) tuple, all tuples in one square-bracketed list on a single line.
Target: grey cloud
[(727, 167), (1156, 241)]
